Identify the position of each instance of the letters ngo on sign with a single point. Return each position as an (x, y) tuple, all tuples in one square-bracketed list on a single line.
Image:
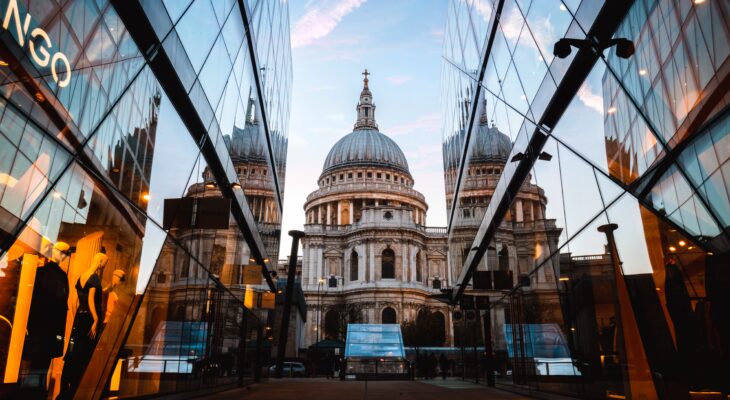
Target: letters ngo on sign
[(39, 44)]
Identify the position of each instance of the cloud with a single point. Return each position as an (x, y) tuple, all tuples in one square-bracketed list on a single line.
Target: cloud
[(437, 32), (483, 8), (427, 152), (320, 20), (590, 99), (428, 122), (398, 79), (541, 29)]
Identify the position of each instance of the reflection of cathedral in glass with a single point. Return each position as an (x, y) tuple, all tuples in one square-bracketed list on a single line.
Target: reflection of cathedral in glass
[(526, 237), (248, 149)]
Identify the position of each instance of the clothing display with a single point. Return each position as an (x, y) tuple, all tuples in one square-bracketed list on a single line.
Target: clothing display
[(47, 318), (81, 346)]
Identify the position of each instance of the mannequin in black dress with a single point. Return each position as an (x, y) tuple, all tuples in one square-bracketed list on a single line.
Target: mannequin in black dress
[(47, 317), (85, 327)]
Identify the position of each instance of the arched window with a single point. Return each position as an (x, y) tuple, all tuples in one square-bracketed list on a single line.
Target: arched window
[(419, 267), (439, 332), (331, 325), (387, 270), (388, 316), (353, 266)]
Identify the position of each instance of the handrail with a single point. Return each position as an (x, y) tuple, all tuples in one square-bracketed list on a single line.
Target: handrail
[(370, 186)]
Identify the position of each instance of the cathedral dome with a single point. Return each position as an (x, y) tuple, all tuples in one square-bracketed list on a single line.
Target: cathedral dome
[(365, 147), (490, 145)]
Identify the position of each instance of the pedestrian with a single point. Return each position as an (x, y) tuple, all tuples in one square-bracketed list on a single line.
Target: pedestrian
[(443, 365), (432, 365), (333, 367)]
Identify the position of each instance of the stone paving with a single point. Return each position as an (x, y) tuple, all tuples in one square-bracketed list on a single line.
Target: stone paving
[(323, 389)]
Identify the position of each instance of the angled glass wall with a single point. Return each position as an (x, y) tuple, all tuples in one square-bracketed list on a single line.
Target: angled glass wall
[(134, 187), (604, 194)]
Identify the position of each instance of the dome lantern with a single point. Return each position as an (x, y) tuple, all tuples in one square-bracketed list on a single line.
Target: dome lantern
[(365, 107)]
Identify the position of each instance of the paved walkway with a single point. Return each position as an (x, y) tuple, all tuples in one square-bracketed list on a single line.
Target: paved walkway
[(323, 389)]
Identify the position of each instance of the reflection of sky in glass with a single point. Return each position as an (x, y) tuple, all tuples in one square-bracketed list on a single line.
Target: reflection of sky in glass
[(576, 181)]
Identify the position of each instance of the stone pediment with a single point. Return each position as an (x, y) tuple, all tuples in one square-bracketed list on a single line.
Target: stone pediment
[(332, 252)]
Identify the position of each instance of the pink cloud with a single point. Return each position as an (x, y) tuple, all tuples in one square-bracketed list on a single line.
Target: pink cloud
[(428, 123), (590, 99), (320, 20)]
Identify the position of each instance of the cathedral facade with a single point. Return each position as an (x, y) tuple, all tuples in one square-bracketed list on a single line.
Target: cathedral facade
[(368, 256)]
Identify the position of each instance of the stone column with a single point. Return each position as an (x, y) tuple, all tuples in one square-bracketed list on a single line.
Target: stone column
[(328, 218), (371, 245), (361, 257), (319, 214), (414, 252), (339, 212), (319, 265), (352, 212), (518, 210), (305, 264), (404, 263)]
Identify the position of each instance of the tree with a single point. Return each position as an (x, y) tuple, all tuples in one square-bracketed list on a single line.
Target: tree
[(427, 330)]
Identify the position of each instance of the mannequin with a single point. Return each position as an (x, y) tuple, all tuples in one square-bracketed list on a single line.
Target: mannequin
[(85, 328), (47, 316), (117, 278)]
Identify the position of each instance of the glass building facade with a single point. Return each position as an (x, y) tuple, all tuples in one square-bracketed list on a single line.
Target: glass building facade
[(617, 166), (142, 157)]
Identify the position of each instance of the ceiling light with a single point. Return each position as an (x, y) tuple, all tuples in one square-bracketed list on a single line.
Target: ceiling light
[(57, 195), (3, 63), (146, 197), (210, 184), (699, 1), (682, 243), (564, 279), (672, 249), (642, 72), (611, 110), (235, 185)]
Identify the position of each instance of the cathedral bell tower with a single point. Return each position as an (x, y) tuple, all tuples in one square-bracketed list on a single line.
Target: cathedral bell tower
[(366, 108)]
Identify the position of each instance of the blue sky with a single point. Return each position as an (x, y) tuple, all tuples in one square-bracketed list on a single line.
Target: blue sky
[(400, 43)]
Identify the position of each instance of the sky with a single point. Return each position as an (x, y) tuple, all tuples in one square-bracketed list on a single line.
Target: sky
[(400, 43), (333, 41)]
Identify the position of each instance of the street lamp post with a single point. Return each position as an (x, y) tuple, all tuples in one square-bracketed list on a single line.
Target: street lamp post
[(317, 328)]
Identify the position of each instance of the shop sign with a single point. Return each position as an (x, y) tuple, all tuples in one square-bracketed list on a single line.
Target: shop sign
[(39, 43), (268, 300), (251, 274)]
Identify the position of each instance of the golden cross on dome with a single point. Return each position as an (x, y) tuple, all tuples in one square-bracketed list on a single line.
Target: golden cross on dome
[(366, 73)]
